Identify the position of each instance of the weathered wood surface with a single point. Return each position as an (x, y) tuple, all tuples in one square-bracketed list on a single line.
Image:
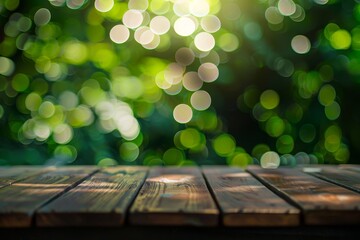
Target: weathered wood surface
[(174, 196), (89, 196), (351, 167), (10, 175), (101, 200), (244, 201), (323, 203), (342, 177), (19, 201)]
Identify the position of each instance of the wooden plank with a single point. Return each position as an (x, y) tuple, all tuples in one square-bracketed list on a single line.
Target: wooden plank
[(344, 178), (323, 203), (20, 200), (351, 167), (174, 196), (244, 201), (10, 175), (101, 200)]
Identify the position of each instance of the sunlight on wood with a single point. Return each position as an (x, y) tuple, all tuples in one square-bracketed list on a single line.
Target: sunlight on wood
[(171, 178)]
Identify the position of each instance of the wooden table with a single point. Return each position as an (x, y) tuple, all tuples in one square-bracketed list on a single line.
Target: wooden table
[(207, 203)]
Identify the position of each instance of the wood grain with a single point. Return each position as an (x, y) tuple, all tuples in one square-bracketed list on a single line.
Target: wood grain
[(20, 200), (174, 196), (101, 200), (244, 201), (344, 178), (10, 175), (323, 203), (351, 167)]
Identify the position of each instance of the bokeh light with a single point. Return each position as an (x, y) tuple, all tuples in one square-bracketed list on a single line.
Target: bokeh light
[(273, 15), (210, 23), (129, 151), (228, 42), (190, 138), (182, 113), (327, 95), (42, 16), (119, 34), (300, 44), (269, 99), (286, 7), (340, 39), (208, 72), (140, 5), (270, 160), (104, 5), (204, 41), (133, 18), (224, 145), (184, 26), (7, 66), (173, 156), (160, 25), (179, 82), (199, 8), (200, 100), (159, 6), (184, 56), (192, 81)]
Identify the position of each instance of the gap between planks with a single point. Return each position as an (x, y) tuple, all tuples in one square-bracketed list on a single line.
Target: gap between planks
[(20, 200), (322, 202), (336, 175), (170, 196), (244, 201), (100, 200)]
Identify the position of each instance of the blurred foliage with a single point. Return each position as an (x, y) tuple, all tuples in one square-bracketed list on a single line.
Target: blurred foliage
[(179, 82)]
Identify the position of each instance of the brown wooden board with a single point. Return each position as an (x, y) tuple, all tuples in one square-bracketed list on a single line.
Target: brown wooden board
[(10, 175), (174, 196), (244, 201), (323, 203), (351, 167), (19, 200), (101, 200), (344, 178)]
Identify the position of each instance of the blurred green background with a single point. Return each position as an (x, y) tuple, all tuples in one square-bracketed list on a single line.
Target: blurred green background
[(179, 82)]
